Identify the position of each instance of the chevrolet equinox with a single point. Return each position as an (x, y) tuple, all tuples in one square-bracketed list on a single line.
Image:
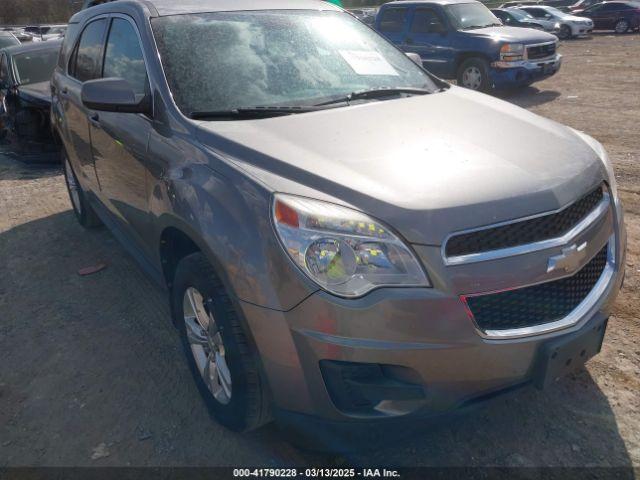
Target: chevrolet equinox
[(343, 236)]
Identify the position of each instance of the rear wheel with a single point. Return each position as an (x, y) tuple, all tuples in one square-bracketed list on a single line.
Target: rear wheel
[(474, 74), (81, 207), (565, 32), (622, 26), (223, 363)]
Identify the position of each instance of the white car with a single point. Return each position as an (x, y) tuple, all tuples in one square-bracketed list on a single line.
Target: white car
[(567, 25)]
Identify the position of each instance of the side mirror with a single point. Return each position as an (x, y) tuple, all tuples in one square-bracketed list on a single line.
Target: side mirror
[(113, 95), (415, 58)]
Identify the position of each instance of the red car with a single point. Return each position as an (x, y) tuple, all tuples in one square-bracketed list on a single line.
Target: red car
[(618, 16)]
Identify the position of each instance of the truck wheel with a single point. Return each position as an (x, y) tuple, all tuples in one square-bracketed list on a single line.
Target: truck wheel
[(221, 360), (473, 74), (85, 214), (565, 32), (621, 26)]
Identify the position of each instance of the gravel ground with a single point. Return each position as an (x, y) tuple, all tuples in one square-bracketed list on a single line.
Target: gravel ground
[(92, 374)]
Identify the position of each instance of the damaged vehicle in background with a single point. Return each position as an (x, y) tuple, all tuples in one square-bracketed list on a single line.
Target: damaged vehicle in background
[(25, 95)]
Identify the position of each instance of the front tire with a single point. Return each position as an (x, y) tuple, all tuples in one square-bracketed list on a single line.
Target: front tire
[(474, 74), (622, 26), (222, 362), (83, 210), (565, 32)]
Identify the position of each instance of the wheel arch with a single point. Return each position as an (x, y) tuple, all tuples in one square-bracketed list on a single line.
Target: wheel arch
[(463, 56)]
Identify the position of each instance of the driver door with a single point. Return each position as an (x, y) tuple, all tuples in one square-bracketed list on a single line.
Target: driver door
[(119, 141), (429, 38)]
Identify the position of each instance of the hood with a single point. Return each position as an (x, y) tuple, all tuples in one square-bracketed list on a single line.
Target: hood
[(426, 165), (512, 34), (38, 93)]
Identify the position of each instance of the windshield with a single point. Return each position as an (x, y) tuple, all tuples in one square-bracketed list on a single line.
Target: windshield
[(466, 16), (35, 67), (229, 60), (520, 15), (555, 12)]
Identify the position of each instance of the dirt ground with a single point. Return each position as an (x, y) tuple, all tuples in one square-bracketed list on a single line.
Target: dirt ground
[(92, 374)]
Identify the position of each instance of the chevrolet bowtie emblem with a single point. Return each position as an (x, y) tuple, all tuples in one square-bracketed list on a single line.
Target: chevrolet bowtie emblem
[(569, 260)]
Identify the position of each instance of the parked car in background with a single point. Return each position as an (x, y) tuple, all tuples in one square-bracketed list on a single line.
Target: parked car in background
[(345, 239), (21, 35), (46, 32), (519, 4), (562, 5), (581, 5), (8, 39), (25, 94), (568, 25), (54, 32), (617, 16), (514, 17), (365, 15), (463, 40)]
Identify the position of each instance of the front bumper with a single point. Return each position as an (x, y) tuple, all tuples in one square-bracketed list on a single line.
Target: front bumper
[(404, 338), (578, 30), (516, 74)]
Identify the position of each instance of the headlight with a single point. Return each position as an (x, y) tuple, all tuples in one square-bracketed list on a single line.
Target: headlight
[(512, 52), (604, 157), (344, 251)]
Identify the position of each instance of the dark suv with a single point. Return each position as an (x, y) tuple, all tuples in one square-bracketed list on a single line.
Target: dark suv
[(341, 234)]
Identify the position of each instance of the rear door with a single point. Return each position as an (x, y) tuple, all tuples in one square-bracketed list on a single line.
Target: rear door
[(120, 140), (429, 38), (85, 64), (393, 23)]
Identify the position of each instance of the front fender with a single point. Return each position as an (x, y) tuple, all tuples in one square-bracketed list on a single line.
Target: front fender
[(227, 217)]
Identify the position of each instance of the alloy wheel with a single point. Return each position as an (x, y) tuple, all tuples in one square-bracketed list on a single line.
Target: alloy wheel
[(622, 26), (206, 345)]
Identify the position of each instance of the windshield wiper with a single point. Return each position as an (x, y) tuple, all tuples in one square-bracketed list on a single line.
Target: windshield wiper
[(377, 93), (254, 112)]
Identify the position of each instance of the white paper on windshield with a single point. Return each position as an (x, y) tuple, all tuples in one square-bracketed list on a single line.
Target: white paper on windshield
[(368, 62)]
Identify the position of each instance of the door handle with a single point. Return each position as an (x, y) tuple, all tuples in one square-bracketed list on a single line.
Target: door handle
[(409, 41), (65, 90), (94, 118)]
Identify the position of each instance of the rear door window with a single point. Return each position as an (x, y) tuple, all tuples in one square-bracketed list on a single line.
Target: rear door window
[(392, 19), (86, 58), (123, 56)]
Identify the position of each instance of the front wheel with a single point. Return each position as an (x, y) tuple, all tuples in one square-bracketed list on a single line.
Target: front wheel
[(222, 361), (622, 26), (565, 32), (474, 74)]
